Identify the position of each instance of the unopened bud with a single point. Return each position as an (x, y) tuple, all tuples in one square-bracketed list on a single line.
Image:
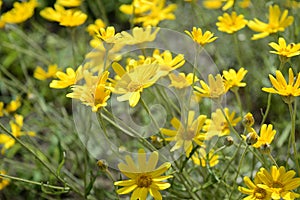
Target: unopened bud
[(228, 141), (102, 164), (251, 138), (265, 148), (248, 120)]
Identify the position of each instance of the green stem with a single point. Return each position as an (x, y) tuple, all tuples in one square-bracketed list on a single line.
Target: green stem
[(273, 160), (238, 171), (73, 37), (238, 99), (65, 189), (109, 175), (267, 110), (293, 132), (237, 49)]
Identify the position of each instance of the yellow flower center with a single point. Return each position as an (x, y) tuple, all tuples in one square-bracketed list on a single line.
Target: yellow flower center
[(277, 184), (260, 193), (144, 180), (134, 86), (187, 134)]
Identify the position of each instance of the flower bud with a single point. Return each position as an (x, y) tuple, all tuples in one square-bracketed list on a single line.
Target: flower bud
[(251, 138), (228, 141), (248, 120), (102, 164)]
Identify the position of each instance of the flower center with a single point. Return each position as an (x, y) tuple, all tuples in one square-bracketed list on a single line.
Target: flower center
[(134, 86), (260, 193), (187, 134), (144, 180), (277, 184)]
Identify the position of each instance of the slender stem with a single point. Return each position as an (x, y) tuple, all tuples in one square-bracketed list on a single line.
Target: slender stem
[(273, 160), (231, 160), (237, 50), (109, 175), (293, 132), (238, 170), (267, 110), (73, 37), (66, 189), (238, 99)]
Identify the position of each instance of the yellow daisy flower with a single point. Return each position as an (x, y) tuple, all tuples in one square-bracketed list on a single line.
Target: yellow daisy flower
[(231, 23), (216, 4), (93, 93), (215, 88), (202, 39), (266, 136), (279, 182), (41, 74), (181, 80), (69, 3), (16, 127), (137, 7), (284, 50), (3, 181), (66, 79), (186, 133), (13, 105), (20, 12), (166, 61), (201, 157), (281, 87), (69, 17), (218, 124), (144, 177), (107, 35), (233, 78), (139, 35), (277, 22), (93, 28), (130, 84), (253, 191)]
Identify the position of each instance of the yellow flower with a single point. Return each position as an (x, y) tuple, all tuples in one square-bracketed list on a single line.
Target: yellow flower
[(139, 35), (16, 127), (132, 83), (41, 74), (233, 78), (66, 79), (93, 28), (276, 23), (186, 133), (245, 3), (284, 50), (144, 177), (215, 88), (254, 191), (13, 105), (156, 14), (1, 109), (216, 4), (248, 120), (218, 124), (281, 87), (107, 35), (279, 182), (205, 159), (266, 136), (231, 23), (292, 4), (200, 38), (20, 12), (93, 93), (69, 17), (69, 3), (181, 80), (137, 7), (167, 62), (3, 181)]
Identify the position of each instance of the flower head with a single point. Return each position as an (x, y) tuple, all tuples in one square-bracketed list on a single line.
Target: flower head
[(202, 39), (69, 17), (130, 84), (69, 3), (139, 35), (93, 28), (186, 131), (167, 62), (281, 87), (284, 50), (94, 92), (66, 79), (144, 177), (253, 191), (266, 136), (233, 78), (216, 4), (13, 105), (3, 181), (277, 22), (181, 80), (279, 182), (231, 23), (16, 126), (204, 159), (215, 88), (41, 74), (20, 12)]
